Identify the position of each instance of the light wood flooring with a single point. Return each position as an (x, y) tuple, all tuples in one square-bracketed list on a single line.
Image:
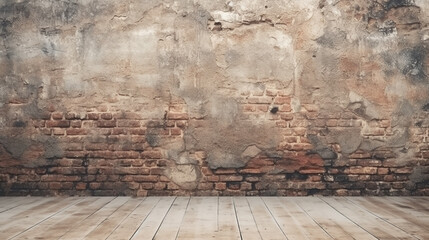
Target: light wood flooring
[(214, 218)]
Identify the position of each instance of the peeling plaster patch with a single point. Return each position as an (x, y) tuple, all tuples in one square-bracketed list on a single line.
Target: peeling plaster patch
[(362, 107), (411, 62), (185, 176)]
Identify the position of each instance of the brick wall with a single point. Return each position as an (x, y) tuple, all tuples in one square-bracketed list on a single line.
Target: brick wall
[(107, 153), (211, 98)]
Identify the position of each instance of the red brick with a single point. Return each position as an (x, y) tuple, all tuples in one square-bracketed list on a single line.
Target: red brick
[(389, 178), (225, 171), (212, 178), (126, 154), (229, 178), (341, 192), (315, 178), (106, 116), (137, 131), (251, 171), (286, 116), (312, 171), (146, 185), (93, 116), (404, 170), (59, 178), (57, 116), (252, 179), (76, 124), (282, 100), (233, 186), (249, 108), (70, 116), (176, 131), (220, 186), (145, 178), (181, 124), (160, 186), (106, 123), (157, 171), (205, 186), (363, 170), (58, 123), (133, 185), (262, 108), (285, 108), (129, 123), (58, 131), (245, 186), (383, 171), (141, 193), (77, 131), (177, 116), (55, 185), (81, 186), (151, 154), (96, 146)]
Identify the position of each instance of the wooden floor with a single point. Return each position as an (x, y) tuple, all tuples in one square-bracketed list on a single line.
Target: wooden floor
[(214, 218)]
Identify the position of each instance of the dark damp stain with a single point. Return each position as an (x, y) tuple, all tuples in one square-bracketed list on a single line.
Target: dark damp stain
[(274, 110), (426, 107), (50, 31), (332, 39), (19, 123), (411, 61), (398, 3), (5, 26), (296, 176)]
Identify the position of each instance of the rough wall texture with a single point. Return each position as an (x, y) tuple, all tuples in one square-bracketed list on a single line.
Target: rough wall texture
[(214, 97)]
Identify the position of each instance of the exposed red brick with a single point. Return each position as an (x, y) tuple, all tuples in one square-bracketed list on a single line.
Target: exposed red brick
[(245, 186), (176, 131), (312, 170), (57, 115), (129, 123), (106, 123), (93, 116), (220, 186), (151, 154), (58, 123), (81, 186), (225, 171), (383, 171), (205, 186), (106, 116), (76, 131), (177, 116), (404, 170), (212, 178), (230, 178)]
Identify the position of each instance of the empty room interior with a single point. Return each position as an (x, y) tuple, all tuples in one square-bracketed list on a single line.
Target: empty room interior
[(214, 119)]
